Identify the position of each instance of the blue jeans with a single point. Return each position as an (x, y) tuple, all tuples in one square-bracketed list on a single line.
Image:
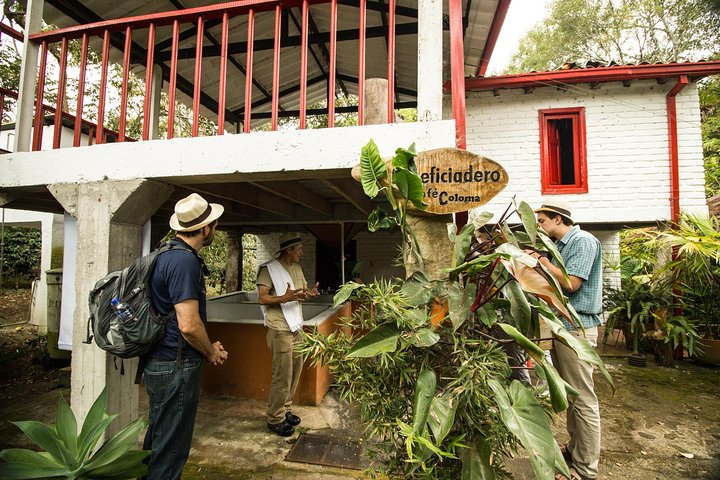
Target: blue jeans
[(173, 399)]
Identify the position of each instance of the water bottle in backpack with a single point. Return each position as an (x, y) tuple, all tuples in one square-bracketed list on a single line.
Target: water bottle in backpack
[(124, 314)]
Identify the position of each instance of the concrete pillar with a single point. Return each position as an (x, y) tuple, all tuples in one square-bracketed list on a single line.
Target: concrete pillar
[(234, 268), (28, 77), (430, 230), (155, 91), (430, 66), (110, 216)]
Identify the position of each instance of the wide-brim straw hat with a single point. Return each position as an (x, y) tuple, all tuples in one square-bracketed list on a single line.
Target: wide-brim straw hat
[(561, 207), (288, 240), (194, 212)]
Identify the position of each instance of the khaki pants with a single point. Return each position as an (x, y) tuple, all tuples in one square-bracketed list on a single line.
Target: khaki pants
[(286, 367), (583, 415)]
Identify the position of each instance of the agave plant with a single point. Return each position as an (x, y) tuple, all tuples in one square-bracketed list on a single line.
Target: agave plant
[(436, 393), (69, 455)]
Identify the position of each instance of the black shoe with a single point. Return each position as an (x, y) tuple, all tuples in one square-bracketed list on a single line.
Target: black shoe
[(283, 429), (293, 420)]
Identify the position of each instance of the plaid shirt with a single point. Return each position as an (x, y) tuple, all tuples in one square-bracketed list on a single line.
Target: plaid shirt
[(582, 254)]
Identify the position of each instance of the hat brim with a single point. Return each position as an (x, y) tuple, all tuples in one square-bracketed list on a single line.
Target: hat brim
[(550, 209), (293, 244), (215, 213)]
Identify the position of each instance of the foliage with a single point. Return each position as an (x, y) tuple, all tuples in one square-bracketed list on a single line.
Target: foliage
[(710, 115), (21, 254), (249, 273), (68, 454), (435, 392), (401, 186), (215, 257), (626, 31)]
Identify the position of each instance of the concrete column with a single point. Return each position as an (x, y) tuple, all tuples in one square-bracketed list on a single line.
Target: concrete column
[(430, 230), (28, 77), (110, 216), (430, 66), (234, 268), (155, 91)]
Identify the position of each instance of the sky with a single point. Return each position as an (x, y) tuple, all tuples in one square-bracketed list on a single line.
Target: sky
[(521, 17)]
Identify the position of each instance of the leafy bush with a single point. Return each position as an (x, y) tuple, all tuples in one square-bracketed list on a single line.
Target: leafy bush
[(21, 254)]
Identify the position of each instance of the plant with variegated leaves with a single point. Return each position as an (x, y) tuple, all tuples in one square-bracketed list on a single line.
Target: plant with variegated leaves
[(69, 455)]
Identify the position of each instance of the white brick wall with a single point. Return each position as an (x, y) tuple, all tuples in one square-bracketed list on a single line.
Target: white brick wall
[(627, 147)]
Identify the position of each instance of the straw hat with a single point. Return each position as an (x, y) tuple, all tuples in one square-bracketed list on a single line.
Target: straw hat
[(194, 212), (560, 207), (288, 240)]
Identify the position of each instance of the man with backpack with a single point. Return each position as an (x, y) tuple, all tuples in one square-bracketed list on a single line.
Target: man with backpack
[(172, 366)]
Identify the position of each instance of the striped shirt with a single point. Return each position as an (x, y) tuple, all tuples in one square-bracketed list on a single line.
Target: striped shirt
[(582, 254)]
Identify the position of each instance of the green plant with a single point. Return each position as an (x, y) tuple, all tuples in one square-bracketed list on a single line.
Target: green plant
[(681, 331), (436, 393), (73, 456)]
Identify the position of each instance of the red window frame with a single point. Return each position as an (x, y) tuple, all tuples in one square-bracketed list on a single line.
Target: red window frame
[(550, 148)]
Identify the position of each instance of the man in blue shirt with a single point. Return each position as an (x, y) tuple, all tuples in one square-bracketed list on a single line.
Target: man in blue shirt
[(172, 367), (582, 254)]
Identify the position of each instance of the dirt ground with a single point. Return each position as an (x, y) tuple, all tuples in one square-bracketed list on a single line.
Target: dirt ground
[(661, 423)]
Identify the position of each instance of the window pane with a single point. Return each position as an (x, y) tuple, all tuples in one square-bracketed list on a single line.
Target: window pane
[(565, 151)]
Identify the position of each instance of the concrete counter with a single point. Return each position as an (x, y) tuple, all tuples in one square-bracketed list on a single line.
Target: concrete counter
[(236, 320)]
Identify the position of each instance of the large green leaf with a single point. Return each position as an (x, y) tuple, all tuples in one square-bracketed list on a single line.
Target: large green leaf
[(346, 290), (482, 219), (424, 337), (527, 216), (410, 186), (120, 443), (66, 427), (94, 434), (127, 464), (381, 339), (29, 457), (520, 310), (418, 290), (487, 315), (459, 302), (424, 393), (12, 471), (462, 243), (372, 169), (526, 419), (476, 461), (405, 158), (556, 386), (47, 438), (442, 416), (90, 432), (552, 248), (532, 349), (379, 220), (584, 350)]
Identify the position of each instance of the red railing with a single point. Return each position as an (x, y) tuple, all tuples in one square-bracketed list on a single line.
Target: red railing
[(197, 21)]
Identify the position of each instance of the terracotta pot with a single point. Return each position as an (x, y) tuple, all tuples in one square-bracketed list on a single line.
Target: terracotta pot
[(711, 351)]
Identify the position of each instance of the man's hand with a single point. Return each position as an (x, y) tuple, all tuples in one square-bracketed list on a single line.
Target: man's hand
[(291, 295), (311, 293), (218, 355)]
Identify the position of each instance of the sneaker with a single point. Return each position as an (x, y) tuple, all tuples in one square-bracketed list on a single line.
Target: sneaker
[(293, 420), (283, 429)]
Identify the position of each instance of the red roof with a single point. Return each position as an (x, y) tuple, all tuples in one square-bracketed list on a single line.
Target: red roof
[(594, 75)]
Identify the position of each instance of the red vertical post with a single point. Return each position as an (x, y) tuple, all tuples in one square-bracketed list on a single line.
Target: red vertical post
[(223, 74), (391, 62), (333, 53), (361, 63), (103, 86), (91, 134), (39, 97), (249, 69), (77, 130), (60, 94), (148, 81), (303, 62), (124, 91), (2, 109), (276, 67), (173, 79), (457, 76), (198, 76)]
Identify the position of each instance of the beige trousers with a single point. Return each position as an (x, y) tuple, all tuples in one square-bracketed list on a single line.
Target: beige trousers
[(583, 415), (286, 367)]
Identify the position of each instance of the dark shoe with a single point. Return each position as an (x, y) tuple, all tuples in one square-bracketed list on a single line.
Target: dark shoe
[(566, 454), (293, 420), (283, 429)]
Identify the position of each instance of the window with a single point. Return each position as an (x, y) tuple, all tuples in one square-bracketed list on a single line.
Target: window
[(563, 159)]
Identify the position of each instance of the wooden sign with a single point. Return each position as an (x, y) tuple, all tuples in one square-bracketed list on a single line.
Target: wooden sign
[(456, 180)]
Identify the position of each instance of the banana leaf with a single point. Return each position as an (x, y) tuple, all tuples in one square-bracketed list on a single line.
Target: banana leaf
[(381, 339)]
